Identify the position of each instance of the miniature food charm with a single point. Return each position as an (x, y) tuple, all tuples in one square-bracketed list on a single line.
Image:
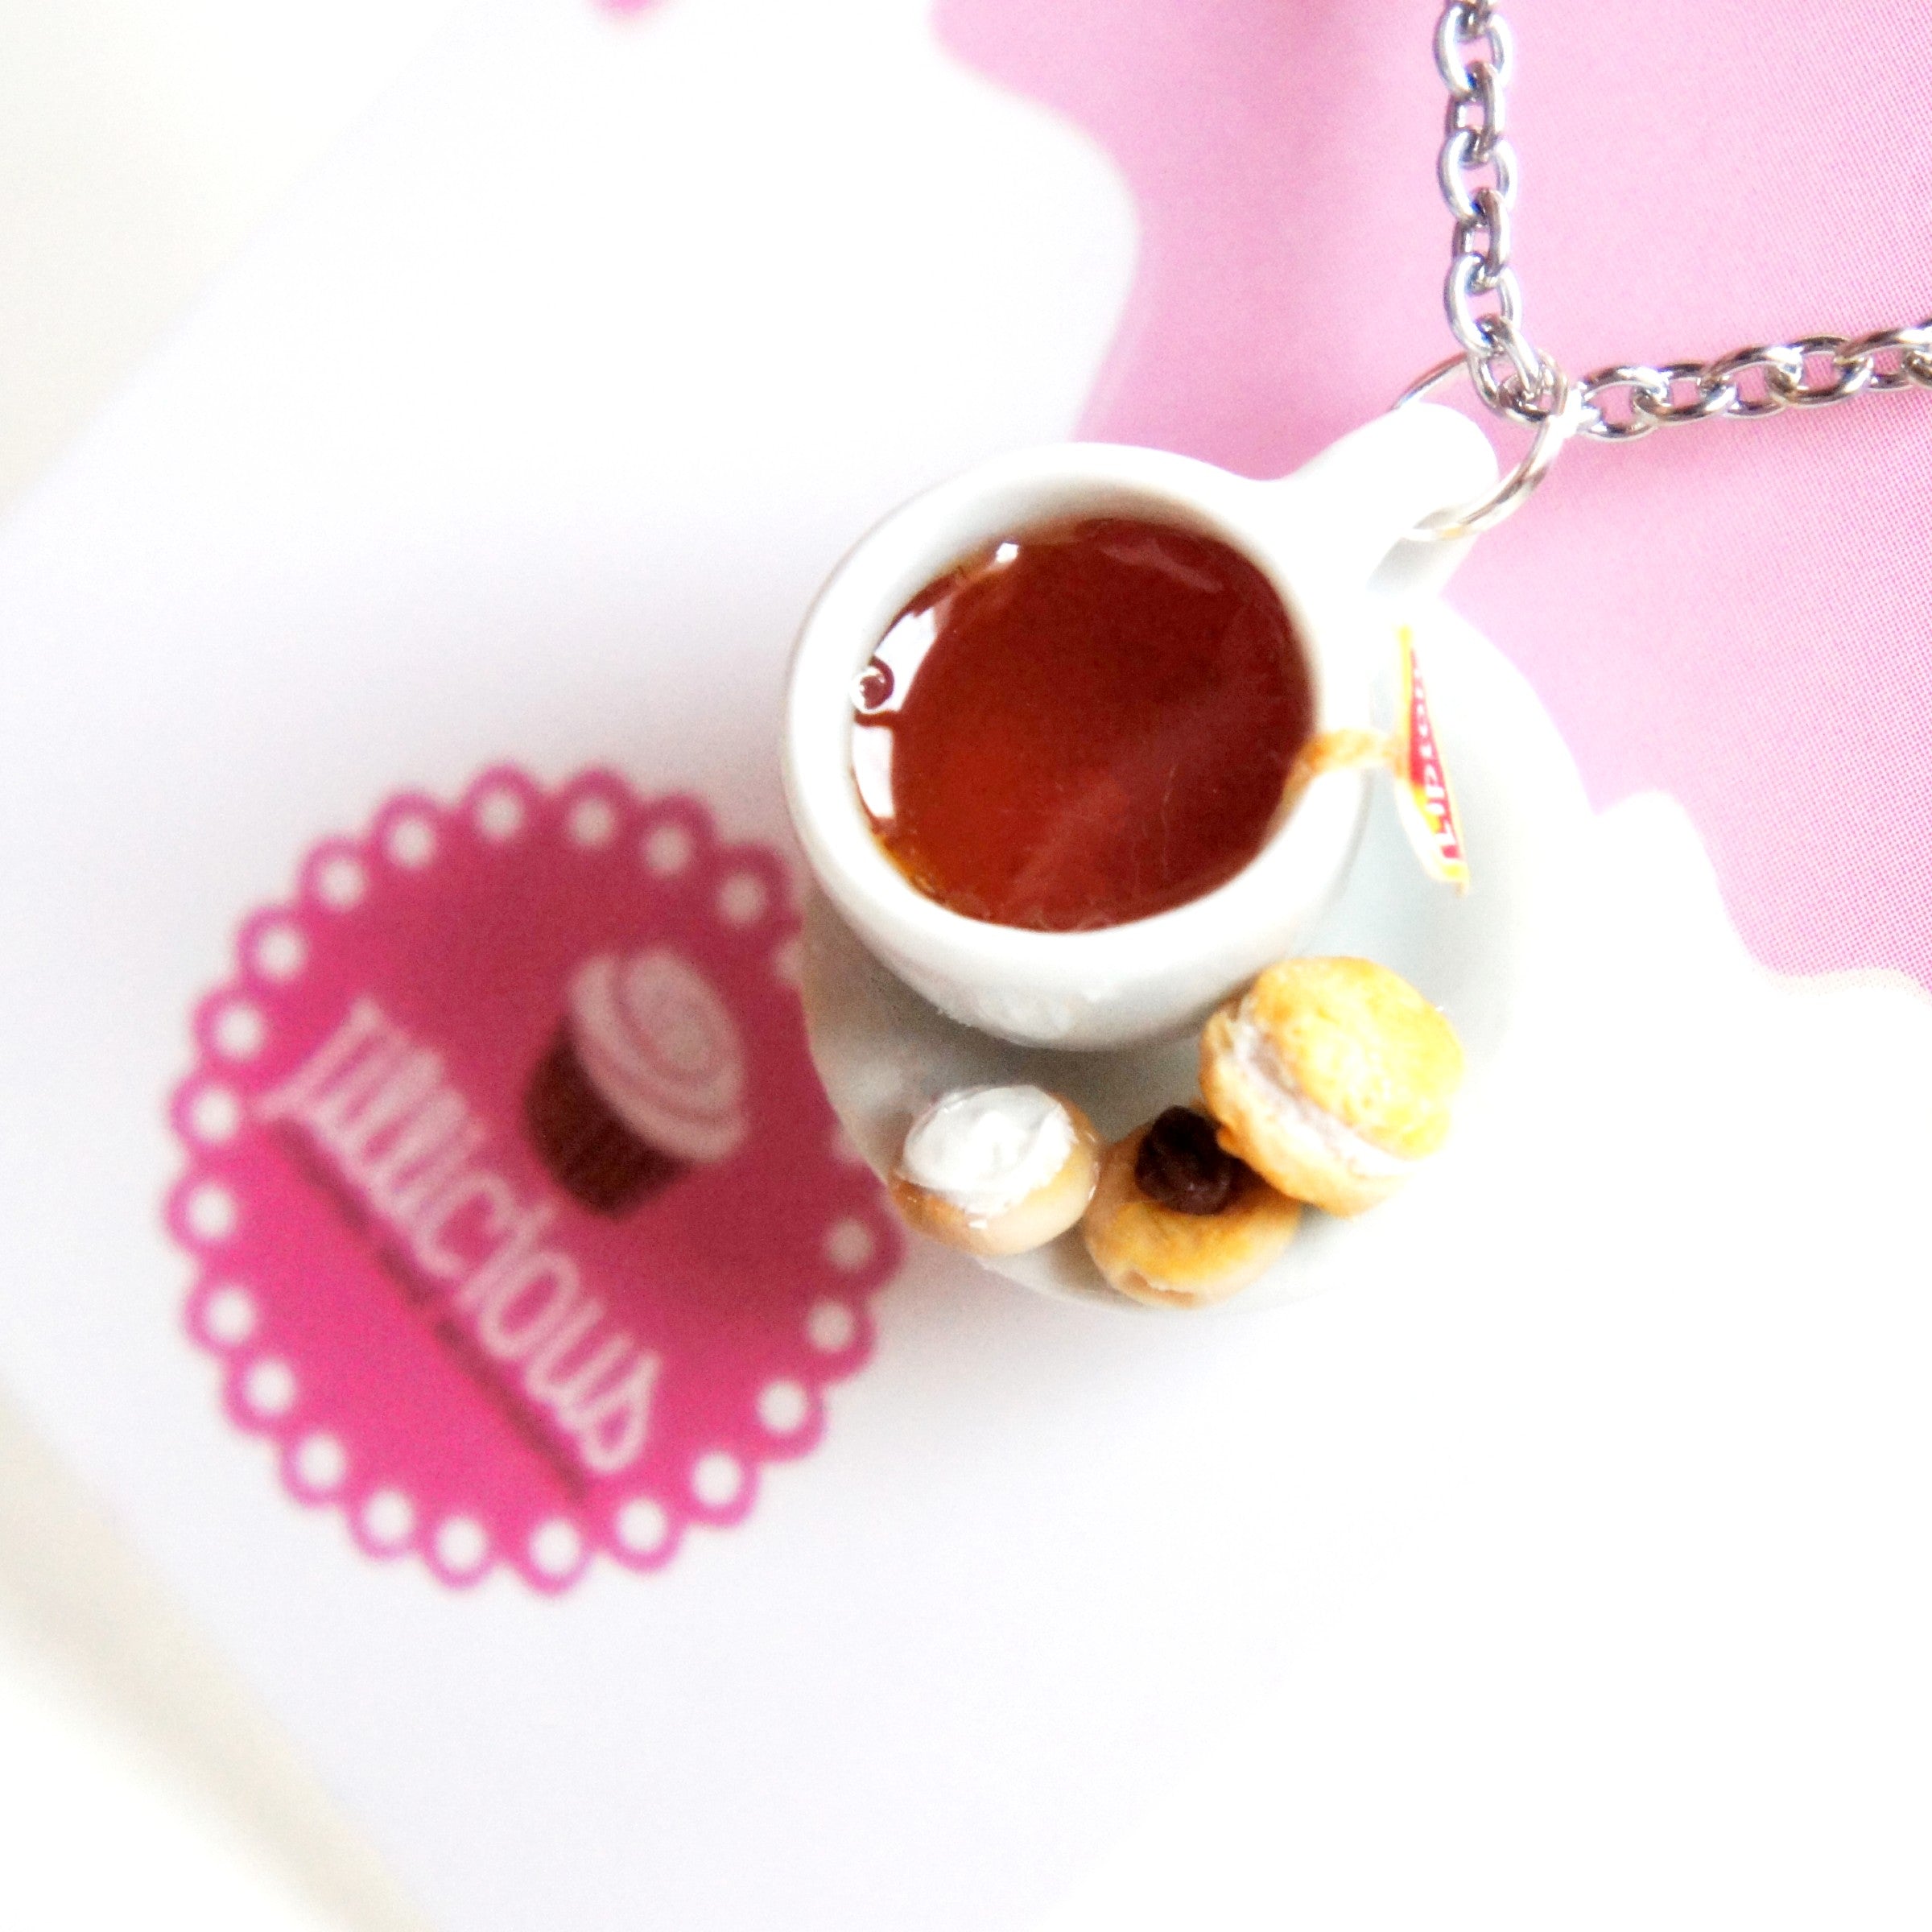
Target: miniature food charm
[(1089, 722), (1179, 1222), (1332, 1078), (997, 1169)]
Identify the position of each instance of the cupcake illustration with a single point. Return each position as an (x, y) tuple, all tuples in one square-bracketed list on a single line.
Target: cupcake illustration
[(645, 1078)]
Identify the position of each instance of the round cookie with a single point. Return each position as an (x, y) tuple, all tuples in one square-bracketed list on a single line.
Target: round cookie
[(997, 1169), (1332, 1078), (1178, 1222)]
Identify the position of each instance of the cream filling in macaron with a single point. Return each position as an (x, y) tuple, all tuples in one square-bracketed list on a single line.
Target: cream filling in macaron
[(985, 1149), (1255, 1055)]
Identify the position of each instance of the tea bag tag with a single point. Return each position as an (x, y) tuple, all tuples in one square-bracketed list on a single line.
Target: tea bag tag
[(1413, 758), (1424, 801)]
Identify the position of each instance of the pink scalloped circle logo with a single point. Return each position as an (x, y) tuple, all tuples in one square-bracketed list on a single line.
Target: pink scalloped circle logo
[(523, 1229)]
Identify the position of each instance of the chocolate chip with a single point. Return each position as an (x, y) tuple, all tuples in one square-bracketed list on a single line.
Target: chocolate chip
[(1180, 1166)]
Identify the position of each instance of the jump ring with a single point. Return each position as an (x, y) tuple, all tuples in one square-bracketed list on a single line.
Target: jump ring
[(1556, 429)]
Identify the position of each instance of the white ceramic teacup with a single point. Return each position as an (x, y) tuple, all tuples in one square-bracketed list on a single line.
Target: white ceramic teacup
[(1333, 540)]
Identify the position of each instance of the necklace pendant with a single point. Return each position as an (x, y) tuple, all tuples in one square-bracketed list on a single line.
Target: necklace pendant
[(1081, 748)]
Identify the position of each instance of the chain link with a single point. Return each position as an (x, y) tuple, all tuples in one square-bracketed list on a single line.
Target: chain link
[(1477, 170), (1622, 403), (1474, 54)]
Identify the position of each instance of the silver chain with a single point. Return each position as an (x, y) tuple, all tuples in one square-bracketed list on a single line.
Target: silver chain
[(1474, 50)]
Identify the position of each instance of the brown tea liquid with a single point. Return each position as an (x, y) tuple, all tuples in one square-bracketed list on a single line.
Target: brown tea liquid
[(1088, 724)]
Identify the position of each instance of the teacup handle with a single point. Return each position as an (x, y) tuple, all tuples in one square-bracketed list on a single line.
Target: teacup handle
[(1358, 504)]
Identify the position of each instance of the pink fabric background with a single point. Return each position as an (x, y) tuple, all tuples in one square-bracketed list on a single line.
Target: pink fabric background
[(1734, 614)]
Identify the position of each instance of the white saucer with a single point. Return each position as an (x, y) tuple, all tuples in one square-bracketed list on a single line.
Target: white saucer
[(885, 1054)]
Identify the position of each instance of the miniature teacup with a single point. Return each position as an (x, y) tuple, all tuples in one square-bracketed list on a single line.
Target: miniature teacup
[(1335, 541)]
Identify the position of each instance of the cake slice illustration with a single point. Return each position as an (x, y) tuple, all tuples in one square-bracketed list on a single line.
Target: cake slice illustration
[(644, 1080)]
